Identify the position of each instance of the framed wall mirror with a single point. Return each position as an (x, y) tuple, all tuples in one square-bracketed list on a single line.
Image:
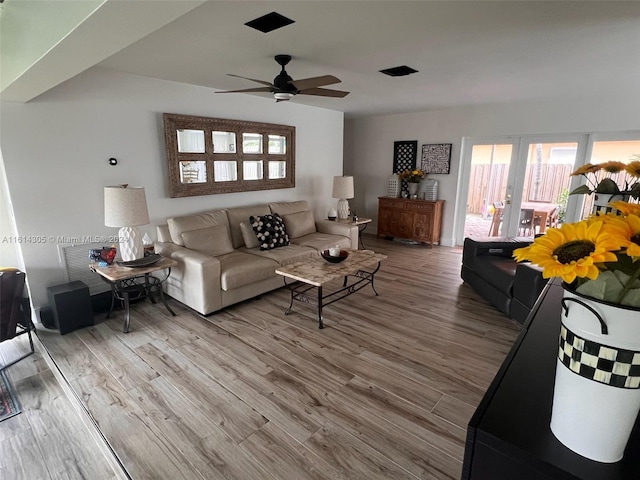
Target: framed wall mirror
[(208, 156)]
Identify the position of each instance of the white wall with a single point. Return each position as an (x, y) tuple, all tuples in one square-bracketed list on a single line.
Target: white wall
[(369, 141), (8, 248), (56, 149)]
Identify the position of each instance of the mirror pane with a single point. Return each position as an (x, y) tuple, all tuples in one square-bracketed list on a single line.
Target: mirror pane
[(252, 170), (251, 143), (193, 172), (226, 171), (277, 144), (224, 142), (191, 141), (277, 169)]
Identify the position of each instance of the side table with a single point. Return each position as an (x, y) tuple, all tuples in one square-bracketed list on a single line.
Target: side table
[(361, 224), (130, 283)]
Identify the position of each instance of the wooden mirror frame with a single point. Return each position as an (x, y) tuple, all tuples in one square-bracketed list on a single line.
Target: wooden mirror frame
[(177, 188)]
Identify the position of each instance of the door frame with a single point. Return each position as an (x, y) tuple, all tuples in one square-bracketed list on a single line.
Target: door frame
[(464, 174)]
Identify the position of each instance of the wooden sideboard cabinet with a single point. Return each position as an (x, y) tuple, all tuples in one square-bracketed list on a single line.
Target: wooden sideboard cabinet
[(419, 220)]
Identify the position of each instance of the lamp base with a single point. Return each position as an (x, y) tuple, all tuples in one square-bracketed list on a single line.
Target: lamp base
[(131, 247), (343, 208)]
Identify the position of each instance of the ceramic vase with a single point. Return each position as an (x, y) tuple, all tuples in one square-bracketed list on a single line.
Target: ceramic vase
[(412, 188), (601, 201), (596, 396)]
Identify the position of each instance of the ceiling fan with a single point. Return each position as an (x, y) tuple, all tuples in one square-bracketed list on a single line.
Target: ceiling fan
[(284, 87)]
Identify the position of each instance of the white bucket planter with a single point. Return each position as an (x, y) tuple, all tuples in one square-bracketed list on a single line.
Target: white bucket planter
[(601, 201), (596, 397)]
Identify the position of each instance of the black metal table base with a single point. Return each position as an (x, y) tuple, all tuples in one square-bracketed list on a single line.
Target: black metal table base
[(137, 288), (299, 291)]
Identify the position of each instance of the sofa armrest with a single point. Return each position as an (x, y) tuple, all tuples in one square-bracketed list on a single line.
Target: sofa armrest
[(336, 228), (195, 281)]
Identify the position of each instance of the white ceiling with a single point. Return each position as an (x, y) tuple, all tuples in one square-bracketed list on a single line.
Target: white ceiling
[(466, 52)]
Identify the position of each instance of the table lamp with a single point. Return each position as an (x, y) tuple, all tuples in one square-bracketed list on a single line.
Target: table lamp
[(343, 189), (126, 207)]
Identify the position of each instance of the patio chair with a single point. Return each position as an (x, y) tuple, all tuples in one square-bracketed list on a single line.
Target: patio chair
[(526, 226), (15, 311), (498, 212)]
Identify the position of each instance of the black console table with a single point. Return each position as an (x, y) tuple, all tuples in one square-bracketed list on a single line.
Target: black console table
[(509, 436)]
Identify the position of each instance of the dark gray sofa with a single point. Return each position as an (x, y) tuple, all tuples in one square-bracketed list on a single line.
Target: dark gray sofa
[(488, 266)]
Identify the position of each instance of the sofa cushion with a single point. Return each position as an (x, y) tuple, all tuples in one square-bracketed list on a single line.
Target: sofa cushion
[(323, 241), (497, 271), (285, 255), (239, 268), (299, 224), (212, 241), (238, 215), (249, 237), (178, 225), (270, 231), (286, 208)]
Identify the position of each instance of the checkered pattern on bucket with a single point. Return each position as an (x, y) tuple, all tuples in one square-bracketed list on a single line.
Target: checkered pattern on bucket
[(612, 366)]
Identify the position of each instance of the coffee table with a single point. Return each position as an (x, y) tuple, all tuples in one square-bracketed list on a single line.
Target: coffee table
[(360, 267)]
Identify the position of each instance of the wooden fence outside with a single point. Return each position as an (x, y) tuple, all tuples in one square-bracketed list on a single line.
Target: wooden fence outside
[(488, 183)]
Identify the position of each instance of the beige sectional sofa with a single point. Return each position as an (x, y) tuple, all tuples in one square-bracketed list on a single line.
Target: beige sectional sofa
[(220, 261)]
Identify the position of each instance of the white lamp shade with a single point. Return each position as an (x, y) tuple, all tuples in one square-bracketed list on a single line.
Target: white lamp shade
[(125, 206), (343, 187)]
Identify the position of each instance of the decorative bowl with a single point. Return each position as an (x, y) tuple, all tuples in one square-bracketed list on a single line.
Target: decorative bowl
[(343, 255)]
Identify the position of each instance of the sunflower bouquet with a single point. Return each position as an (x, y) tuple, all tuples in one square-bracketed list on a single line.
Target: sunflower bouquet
[(413, 176), (599, 183), (597, 257)]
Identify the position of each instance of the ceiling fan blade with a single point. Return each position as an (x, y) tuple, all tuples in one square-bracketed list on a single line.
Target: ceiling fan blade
[(269, 84), (257, 89), (324, 92), (313, 82), (282, 100)]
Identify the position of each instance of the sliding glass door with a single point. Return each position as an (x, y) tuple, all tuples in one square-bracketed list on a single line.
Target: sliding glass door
[(516, 186), (519, 186)]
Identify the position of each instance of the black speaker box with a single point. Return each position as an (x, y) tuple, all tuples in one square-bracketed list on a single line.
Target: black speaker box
[(71, 306)]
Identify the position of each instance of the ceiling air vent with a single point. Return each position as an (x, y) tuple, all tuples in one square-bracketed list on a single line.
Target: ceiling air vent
[(398, 71), (270, 22)]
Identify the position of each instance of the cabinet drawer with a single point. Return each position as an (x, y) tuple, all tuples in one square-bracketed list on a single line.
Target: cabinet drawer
[(391, 202), (422, 207)]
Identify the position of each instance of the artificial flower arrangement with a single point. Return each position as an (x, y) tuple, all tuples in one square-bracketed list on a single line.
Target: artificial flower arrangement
[(607, 185), (598, 257), (413, 176)]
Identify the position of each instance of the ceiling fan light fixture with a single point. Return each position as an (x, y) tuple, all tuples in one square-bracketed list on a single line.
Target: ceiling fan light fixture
[(283, 95)]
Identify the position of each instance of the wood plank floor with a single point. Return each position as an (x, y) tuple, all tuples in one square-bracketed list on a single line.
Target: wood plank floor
[(384, 391), (48, 440)]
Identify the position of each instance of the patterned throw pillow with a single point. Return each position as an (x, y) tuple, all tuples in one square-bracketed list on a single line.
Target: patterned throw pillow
[(270, 231)]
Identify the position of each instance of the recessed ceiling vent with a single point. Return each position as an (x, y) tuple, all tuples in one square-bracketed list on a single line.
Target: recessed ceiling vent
[(398, 71), (270, 22)]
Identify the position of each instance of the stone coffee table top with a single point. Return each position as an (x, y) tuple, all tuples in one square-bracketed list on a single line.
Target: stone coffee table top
[(318, 271)]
